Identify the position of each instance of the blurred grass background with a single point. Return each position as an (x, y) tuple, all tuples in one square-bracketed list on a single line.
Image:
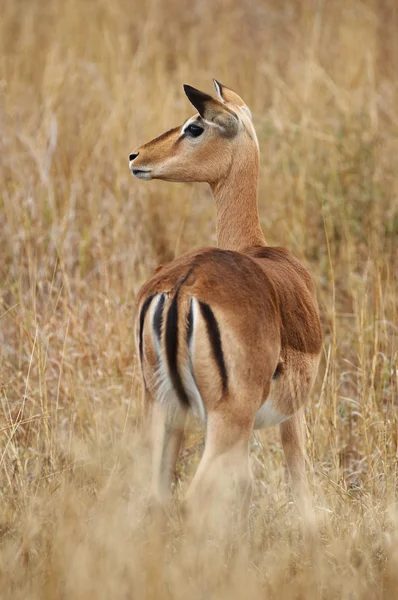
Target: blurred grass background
[(82, 83)]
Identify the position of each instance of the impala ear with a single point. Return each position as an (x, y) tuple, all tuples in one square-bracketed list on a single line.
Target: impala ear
[(225, 94), (213, 110)]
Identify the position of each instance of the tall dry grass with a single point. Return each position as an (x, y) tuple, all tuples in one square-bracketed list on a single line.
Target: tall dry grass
[(83, 83)]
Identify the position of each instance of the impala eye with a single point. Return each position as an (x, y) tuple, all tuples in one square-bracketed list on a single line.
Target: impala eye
[(194, 130)]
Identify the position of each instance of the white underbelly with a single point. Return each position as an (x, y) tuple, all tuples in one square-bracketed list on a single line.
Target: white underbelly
[(267, 415)]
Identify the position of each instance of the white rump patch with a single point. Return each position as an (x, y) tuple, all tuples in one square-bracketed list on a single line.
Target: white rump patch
[(187, 376), (165, 390), (267, 415), (195, 399), (166, 393)]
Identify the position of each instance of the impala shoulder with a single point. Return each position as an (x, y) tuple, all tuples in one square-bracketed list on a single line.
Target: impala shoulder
[(283, 259)]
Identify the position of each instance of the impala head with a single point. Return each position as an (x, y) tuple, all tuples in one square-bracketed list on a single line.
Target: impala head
[(205, 146)]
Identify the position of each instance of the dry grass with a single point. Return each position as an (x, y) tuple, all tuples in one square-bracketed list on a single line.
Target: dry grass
[(81, 84)]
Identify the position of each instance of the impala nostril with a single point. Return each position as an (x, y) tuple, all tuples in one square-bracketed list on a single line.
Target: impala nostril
[(134, 155)]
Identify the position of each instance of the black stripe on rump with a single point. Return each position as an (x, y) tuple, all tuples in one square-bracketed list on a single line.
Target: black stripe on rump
[(143, 312), (215, 340), (190, 323), (172, 349), (158, 317)]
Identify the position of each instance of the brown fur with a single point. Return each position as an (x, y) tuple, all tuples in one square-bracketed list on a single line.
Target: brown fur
[(262, 302)]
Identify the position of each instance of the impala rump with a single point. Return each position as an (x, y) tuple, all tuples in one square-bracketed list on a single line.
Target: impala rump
[(190, 344)]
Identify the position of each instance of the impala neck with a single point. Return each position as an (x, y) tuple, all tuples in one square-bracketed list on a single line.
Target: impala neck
[(238, 225)]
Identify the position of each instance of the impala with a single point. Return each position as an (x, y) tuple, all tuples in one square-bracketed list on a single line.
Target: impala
[(231, 333)]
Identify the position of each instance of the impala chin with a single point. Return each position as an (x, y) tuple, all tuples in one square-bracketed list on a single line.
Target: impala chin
[(141, 173)]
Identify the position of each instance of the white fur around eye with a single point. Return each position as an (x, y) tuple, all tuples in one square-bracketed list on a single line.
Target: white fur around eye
[(187, 122)]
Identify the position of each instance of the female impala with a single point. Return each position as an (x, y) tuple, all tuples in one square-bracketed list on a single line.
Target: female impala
[(233, 332)]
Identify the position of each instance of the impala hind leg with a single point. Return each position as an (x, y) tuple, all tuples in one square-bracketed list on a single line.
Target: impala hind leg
[(168, 423), (293, 442), (223, 475)]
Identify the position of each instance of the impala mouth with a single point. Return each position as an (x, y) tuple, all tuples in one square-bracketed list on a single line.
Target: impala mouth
[(141, 173)]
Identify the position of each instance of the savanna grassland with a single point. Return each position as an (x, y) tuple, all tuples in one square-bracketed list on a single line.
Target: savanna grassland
[(84, 82)]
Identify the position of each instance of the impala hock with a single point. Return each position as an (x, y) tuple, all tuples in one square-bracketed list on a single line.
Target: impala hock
[(231, 333)]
